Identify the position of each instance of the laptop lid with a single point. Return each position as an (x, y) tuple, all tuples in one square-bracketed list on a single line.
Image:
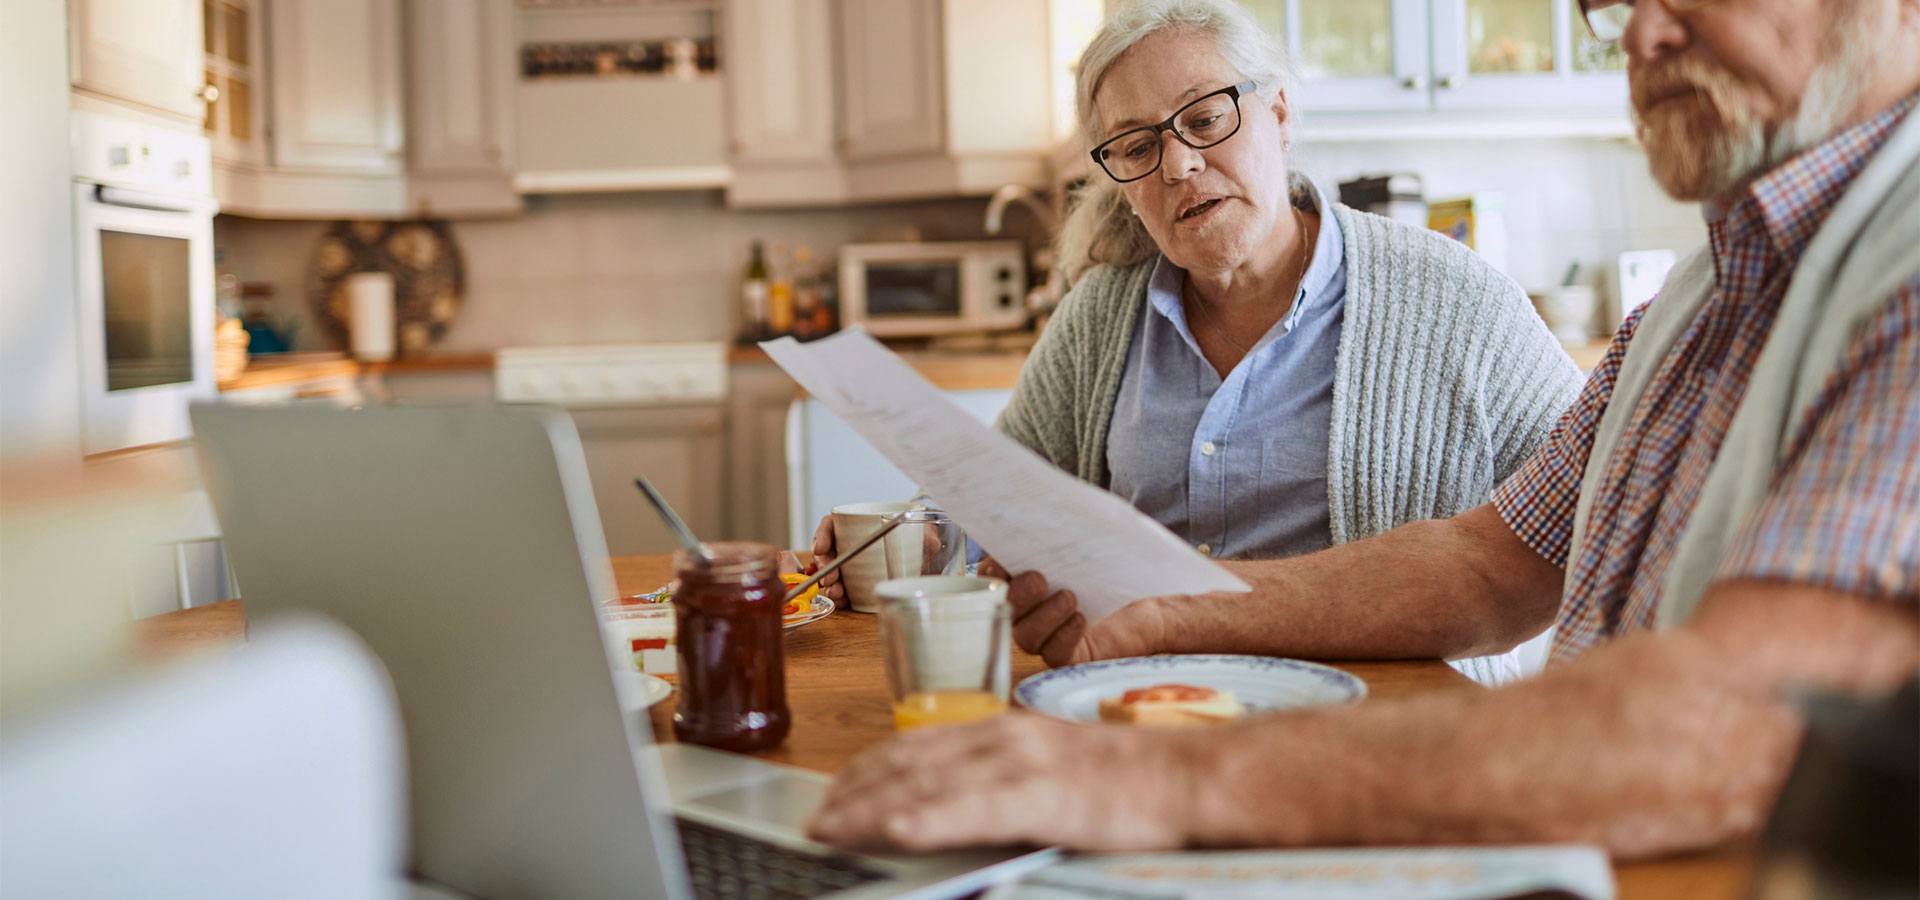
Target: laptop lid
[(462, 544)]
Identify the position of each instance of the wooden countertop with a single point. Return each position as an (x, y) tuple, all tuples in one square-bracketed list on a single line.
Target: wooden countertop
[(839, 704), (292, 368)]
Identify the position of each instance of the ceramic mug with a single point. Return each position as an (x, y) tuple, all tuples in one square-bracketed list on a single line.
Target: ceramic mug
[(852, 524)]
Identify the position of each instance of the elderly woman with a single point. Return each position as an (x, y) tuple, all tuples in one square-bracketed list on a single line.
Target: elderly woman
[(1264, 371)]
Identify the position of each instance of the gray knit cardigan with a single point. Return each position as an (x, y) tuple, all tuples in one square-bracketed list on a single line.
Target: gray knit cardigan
[(1446, 378)]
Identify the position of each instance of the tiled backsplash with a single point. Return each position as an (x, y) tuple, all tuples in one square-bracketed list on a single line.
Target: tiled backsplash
[(604, 268), (662, 267), (1566, 199)]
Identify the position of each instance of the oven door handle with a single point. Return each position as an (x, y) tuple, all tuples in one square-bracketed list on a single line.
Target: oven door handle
[(113, 196)]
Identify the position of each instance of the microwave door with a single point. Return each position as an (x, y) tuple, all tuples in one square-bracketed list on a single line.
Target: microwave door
[(913, 297)]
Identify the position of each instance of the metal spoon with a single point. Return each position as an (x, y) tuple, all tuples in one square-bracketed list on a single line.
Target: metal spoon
[(675, 524), (886, 525)]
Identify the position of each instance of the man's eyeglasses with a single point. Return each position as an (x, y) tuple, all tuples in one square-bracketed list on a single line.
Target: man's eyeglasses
[(1607, 19), (1136, 153)]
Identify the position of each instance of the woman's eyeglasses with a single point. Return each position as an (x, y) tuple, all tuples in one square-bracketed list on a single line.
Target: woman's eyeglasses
[(1607, 19), (1136, 153)]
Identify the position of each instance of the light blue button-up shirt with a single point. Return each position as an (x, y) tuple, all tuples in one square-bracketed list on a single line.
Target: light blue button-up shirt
[(1237, 467)]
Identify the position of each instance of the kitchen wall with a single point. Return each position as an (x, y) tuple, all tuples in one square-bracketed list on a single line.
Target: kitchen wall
[(603, 268), (1568, 199)]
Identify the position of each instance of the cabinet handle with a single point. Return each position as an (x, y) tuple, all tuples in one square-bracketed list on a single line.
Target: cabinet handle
[(1449, 82), (1414, 82), (210, 93)]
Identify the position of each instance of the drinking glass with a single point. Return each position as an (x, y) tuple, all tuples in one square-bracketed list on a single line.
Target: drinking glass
[(946, 639), (926, 542)]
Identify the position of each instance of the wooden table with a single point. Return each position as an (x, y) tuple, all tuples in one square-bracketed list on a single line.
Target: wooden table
[(836, 689)]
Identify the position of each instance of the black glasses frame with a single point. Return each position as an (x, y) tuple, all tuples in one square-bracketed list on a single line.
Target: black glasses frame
[(1235, 91)]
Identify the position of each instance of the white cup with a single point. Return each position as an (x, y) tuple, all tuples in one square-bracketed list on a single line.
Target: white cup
[(1569, 310), (853, 523)]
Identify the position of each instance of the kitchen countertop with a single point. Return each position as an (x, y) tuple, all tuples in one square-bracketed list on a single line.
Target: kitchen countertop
[(947, 369)]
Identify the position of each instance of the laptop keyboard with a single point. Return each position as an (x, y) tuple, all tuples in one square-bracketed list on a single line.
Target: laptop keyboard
[(726, 865)]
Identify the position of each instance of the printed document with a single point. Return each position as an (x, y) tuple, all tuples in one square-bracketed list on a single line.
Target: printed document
[(1026, 513), (1424, 873)]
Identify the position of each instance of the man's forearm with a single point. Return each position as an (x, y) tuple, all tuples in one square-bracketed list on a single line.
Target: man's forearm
[(1653, 744), (1447, 588)]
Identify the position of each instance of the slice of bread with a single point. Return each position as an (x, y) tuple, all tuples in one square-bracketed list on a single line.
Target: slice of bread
[(1172, 706)]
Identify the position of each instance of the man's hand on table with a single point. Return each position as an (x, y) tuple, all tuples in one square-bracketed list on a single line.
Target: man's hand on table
[(1017, 779), (1049, 623)]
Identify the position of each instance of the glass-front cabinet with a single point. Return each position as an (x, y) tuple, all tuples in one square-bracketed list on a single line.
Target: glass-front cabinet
[(1373, 56), (1522, 55)]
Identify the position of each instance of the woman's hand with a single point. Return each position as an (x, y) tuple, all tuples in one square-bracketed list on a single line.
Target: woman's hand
[(823, 553), (1049, 623), (1018, 779)]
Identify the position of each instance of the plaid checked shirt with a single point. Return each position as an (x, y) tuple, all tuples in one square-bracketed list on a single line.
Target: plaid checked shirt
[(1844, 509)]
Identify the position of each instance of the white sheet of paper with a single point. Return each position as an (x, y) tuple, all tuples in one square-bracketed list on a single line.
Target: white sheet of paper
[(1026, 513)]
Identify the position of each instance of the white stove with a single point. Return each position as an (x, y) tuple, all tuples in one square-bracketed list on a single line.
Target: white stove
[(613, 374)]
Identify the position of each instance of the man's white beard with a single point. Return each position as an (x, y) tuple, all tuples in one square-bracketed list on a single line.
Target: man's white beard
[(1745, 147)]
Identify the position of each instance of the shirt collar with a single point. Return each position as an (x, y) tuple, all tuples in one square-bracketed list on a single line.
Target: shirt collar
[(1792, 201), (1167, 279)]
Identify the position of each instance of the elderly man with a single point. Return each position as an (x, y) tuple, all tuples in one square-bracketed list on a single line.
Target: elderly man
[(1730, 510)]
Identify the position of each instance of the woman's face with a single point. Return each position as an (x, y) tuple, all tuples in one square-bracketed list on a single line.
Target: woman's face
[(1212, 209)]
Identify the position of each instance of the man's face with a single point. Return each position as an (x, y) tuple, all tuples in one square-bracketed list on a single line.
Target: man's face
[(1725, 89)]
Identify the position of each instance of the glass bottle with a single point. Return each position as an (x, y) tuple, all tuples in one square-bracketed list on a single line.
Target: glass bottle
[(753, 295), (733, 680)]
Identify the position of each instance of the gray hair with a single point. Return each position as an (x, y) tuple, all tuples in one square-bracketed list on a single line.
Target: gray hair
[(1100, 229)]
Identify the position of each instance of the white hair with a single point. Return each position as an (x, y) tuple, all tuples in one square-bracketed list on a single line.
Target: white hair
[(1100, 229)]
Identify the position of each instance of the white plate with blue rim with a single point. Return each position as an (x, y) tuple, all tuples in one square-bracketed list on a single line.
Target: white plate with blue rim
[(1261, 683)]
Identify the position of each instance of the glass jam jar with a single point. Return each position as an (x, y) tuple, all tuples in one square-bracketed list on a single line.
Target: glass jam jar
[(733, 674)]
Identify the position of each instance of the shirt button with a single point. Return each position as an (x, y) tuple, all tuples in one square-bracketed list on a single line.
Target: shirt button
[(1207, 449), (1204, 550)]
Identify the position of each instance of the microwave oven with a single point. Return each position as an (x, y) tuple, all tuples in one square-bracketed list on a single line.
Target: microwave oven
[(924, 288)]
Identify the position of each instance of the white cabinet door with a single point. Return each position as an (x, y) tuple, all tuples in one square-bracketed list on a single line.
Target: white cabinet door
[(337, 86), (680, 449), (146, 52), (891, 80), (1353, 55), (460, 64), (780, 79), (236, 70)]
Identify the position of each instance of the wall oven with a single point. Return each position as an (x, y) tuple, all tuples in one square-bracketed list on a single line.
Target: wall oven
[(933, 287), (143, 220)]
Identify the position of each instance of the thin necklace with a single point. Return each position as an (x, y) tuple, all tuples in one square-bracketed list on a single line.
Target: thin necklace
[(1214, 322)]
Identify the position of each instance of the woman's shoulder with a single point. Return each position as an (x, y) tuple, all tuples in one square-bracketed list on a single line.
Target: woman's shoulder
[(1102, 291)]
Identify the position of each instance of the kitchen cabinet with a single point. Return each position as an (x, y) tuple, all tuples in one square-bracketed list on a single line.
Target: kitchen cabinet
[(678, 448), (760, 394), (1473, 68), (145, 53), (460, 65), (333, 119), (930, 99), (781, 102), (337, 86), (236, 71)]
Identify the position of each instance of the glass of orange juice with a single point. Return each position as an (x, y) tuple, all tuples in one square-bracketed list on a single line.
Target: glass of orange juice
[(946, 639)]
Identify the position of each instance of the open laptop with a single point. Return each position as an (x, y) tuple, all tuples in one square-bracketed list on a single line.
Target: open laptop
[(462, 544)]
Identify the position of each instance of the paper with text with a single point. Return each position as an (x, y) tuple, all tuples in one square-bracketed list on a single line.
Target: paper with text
[(1026, 513)]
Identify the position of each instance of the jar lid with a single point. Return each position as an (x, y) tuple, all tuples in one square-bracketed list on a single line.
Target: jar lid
[(732, 561)]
